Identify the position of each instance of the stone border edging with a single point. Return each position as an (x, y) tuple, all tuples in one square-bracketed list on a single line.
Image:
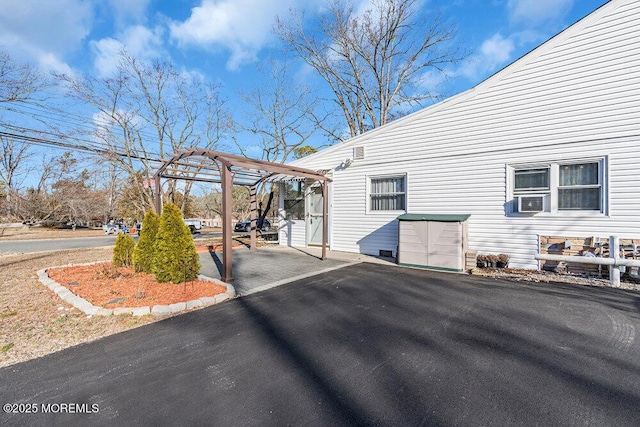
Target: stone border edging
[(91, 310)]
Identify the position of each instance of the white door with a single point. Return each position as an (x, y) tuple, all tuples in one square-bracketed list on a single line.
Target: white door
[(314, 215)]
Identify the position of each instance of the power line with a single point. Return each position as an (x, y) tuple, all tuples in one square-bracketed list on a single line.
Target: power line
[(35, 112), (60, 144), (91, 145)]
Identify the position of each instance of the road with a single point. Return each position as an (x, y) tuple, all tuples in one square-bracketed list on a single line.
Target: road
[(362, 345), (29, 246)]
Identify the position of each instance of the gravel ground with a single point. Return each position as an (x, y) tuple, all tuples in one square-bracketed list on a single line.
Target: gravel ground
[(547, 277)]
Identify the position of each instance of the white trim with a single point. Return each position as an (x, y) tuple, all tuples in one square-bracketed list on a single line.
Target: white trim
[(402, 175), (551, 195)]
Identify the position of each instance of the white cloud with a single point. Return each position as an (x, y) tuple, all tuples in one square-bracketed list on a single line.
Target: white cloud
[(364, 6), (241, 26), (139, 41), (49, 61), (531, 13), (128, 11), (106, 51), (494, 53), (431, 82), (496, 50), (44, 31), (531, 22)]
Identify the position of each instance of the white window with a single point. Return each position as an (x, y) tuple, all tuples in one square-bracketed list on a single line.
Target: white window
[(529, 180), (387, 193), (294, 200), (579, 187), (559, 186)]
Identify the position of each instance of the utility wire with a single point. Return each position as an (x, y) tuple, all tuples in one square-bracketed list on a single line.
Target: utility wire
[(45, 114), (61, 144)]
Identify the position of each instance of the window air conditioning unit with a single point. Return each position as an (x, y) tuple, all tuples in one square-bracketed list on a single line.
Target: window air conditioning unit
[(530, 204)]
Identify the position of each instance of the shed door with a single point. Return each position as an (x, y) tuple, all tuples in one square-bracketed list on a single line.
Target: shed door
[(445, 245), (432, 244)]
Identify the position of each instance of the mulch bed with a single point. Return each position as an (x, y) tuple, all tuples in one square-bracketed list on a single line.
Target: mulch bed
[(104, 285)]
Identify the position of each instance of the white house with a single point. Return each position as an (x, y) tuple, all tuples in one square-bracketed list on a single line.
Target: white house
[(557, 131)]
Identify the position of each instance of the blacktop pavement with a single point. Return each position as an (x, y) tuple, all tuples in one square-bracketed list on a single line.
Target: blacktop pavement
[(357, 344)]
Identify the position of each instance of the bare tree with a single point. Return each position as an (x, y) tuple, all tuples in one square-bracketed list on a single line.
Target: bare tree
[(18, 82), (12, 170), (211, 203), (373, 62), (60, 193), (149, 110), (282, 114)]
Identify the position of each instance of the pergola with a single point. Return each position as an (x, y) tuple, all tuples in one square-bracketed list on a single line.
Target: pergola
[(227, 170)]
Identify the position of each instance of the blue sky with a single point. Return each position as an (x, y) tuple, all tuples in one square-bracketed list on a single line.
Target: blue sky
[(225, 40)]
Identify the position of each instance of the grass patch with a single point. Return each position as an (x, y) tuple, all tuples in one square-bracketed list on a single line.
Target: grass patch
[(8, 314), (6, 347)]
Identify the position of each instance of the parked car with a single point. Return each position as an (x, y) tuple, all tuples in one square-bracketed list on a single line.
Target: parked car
[(115, 228), (194, 224), (246, 225)]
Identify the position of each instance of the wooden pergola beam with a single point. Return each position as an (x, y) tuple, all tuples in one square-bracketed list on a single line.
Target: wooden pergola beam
[(232, 169)]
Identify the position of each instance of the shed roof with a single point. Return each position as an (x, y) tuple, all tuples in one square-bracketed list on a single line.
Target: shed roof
[(434, 217)]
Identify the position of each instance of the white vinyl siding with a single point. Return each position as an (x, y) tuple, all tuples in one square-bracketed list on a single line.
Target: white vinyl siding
[(572, 100)]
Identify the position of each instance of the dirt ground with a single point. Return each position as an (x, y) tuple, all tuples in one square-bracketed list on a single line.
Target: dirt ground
[(34, 233)]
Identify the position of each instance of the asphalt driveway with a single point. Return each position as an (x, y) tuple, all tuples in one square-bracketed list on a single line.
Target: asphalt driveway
[(364, 344)]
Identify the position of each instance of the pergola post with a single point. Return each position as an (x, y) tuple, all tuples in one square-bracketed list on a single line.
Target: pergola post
[(254, 224), (325, 226), (227, 188), (158, 193)]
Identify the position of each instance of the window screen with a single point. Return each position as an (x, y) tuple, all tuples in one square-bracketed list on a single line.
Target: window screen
[(388, 193)]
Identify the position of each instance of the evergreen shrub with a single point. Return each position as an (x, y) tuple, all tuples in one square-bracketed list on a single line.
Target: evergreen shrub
[(175, 256), (123, 250), (143, 254)]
